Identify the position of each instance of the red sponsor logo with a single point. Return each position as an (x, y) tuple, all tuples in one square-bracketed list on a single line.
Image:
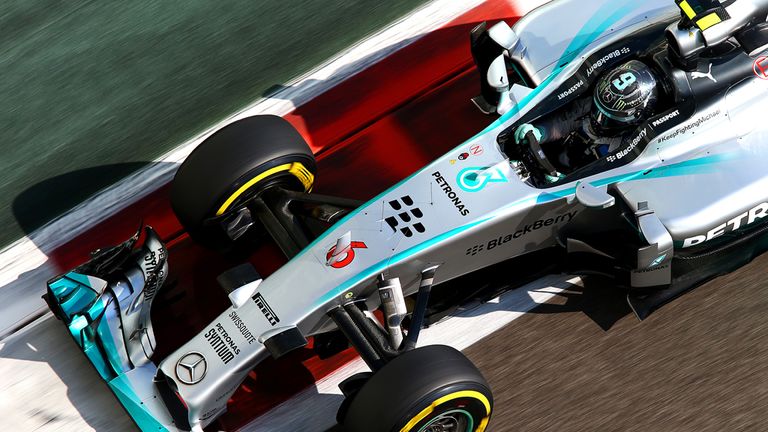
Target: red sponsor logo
[(761, 68), (476, 150), (464, 156), (344, 258)]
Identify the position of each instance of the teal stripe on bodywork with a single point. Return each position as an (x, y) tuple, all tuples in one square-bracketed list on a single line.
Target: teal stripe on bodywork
[(692, 167), (705, 165), (79, 278), (108, 344), (111, 370), (379, 267), (74, 293), (105, 366), (102, 352), (121, 387), (83, 307), (594, 27)]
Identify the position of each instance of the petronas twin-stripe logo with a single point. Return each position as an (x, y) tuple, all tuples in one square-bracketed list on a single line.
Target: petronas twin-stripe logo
[(407, 217)]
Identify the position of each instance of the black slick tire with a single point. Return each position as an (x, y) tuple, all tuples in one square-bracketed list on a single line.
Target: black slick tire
[(236, 163), (419, 388)]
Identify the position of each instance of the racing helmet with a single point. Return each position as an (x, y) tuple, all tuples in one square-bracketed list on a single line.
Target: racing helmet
[(624, 97)]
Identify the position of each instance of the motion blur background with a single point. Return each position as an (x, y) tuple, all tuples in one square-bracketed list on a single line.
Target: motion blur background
[(93, 90)]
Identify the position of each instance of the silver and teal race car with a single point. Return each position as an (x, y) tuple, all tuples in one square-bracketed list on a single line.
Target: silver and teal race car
[(631, 144)]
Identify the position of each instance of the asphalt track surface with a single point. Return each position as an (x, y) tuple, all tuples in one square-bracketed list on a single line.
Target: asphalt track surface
[(93, 90), (584, 362)]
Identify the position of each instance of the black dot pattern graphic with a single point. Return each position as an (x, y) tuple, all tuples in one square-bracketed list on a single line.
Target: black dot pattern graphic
[(406, 217)]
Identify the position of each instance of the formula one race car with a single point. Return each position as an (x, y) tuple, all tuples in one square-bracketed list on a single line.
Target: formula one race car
[(632, 144)]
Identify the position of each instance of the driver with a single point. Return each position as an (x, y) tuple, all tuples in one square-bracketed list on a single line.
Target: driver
[(624, 97)]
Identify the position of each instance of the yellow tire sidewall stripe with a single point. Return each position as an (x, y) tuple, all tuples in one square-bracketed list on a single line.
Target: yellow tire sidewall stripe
[(297, 169), (456, 395)]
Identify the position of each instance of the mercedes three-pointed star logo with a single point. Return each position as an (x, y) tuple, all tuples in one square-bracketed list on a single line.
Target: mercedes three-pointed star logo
[(191, 368)]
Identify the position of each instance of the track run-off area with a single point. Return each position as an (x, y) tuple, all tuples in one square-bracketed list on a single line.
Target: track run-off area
[(574, 359)]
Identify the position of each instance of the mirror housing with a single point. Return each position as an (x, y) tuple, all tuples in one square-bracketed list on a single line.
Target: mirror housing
[(499, 80), (594, 197), (503, 35)]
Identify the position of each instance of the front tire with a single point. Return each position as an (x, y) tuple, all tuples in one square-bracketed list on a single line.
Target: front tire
[(434, 388), (236, 163)]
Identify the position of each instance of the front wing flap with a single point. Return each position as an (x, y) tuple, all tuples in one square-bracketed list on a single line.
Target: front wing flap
[(105, 305)]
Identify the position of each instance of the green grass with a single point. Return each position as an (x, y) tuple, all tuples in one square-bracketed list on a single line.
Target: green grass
[(91, 90)]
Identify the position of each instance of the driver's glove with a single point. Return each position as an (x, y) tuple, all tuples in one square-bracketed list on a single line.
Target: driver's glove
[(523, 130)]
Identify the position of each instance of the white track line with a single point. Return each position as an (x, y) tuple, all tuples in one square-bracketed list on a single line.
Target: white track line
[(23, 265), (314, 409), (48, 385)]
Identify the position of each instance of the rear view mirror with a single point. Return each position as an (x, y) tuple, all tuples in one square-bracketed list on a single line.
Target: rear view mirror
[(491, 48), (503, 35), (499, 80), (497, 74)]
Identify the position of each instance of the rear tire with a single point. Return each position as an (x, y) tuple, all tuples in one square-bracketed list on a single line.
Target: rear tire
[(235, 164), (434, 388)]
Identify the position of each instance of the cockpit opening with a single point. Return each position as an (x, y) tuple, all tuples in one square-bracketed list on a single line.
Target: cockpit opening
[(610, 113)]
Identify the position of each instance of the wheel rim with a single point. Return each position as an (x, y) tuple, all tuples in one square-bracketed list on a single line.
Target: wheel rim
[(450, 421)]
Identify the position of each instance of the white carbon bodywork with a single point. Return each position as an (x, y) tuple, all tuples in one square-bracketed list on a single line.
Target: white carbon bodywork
[(302, 291), (543, 31), (691, 174)]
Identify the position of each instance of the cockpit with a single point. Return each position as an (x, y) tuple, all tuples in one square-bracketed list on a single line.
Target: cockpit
[(593, 126), (598, 118), (623, 96)]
